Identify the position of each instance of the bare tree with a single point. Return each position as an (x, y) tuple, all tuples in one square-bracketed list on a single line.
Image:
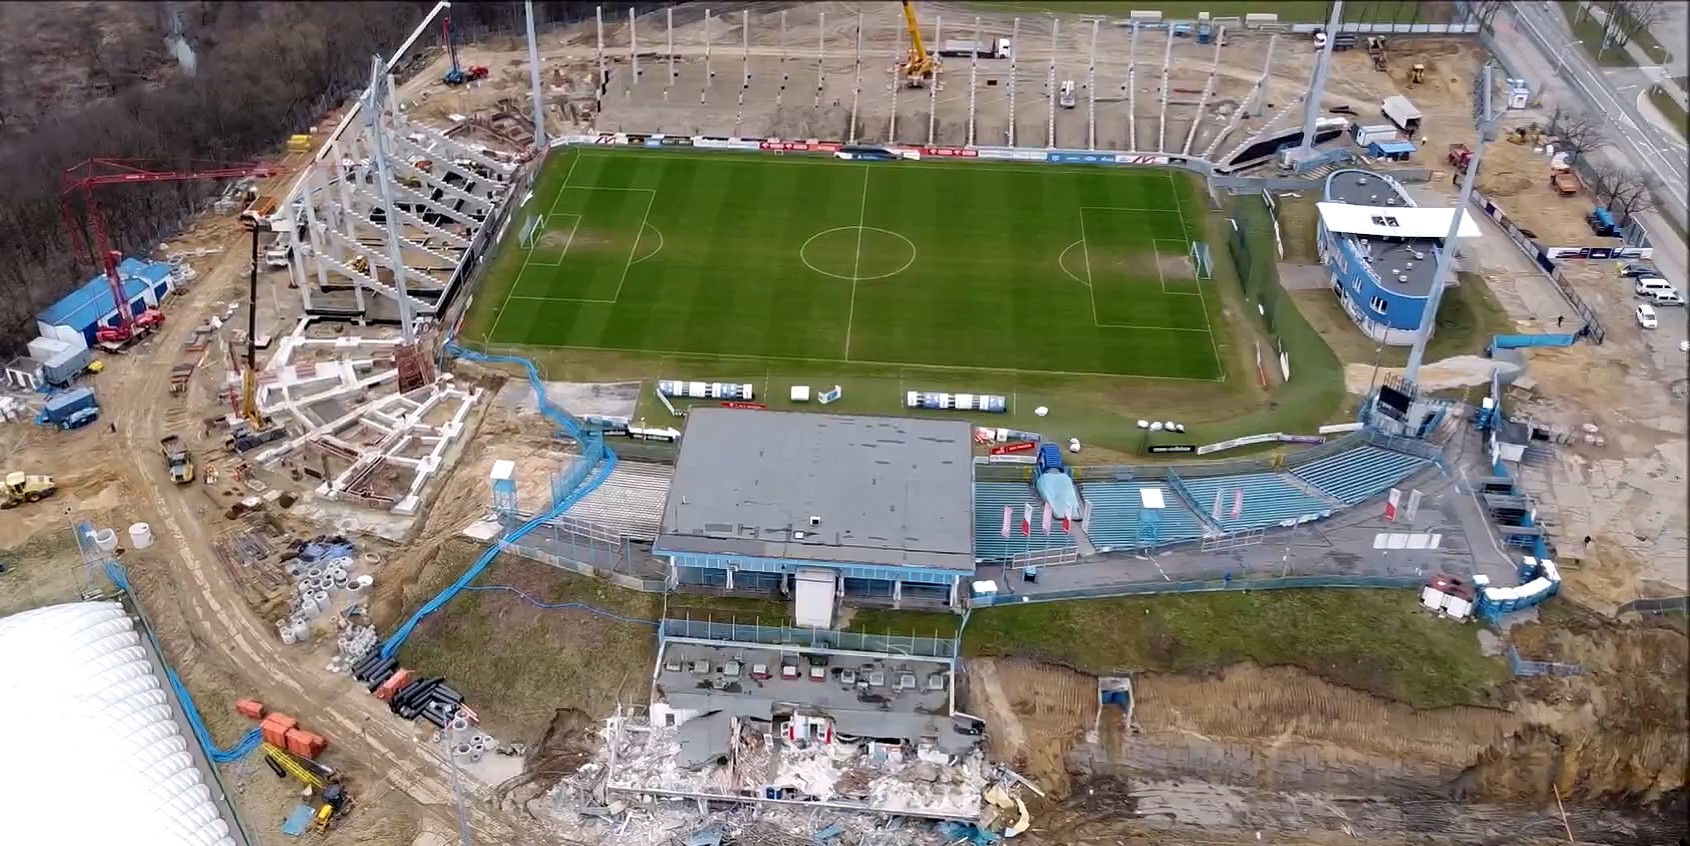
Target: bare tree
[(1628, 18), (1483, 12), (1579, 132), (1624, 191)]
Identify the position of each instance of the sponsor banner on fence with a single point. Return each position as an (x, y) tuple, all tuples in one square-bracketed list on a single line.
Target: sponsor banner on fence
[(708, 143), (676, 140), (1010, 154), (1011, 449), (1012, 458), (1599, 253), (950, 152), (1165, 449), (1066, 157), (800, 146), (615, 139), (575, 139), (1252, 440), (1130, 159)]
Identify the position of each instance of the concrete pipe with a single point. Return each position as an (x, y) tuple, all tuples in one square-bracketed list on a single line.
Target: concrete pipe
[(287, 634), (322, 598), (337, 575), (459, 726), (364, 582), (485, 741), (106, 540), (354, 588), (295, 571), (140, 536), (307, 587), (474, 755), (314, 573), (370, 559)]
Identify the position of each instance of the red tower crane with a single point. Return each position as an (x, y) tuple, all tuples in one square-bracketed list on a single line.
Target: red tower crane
[(79, 182)]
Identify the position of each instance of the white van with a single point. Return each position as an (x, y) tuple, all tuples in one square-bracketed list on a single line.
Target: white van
[(1647, 285), (1066, 98), (1669, 297)]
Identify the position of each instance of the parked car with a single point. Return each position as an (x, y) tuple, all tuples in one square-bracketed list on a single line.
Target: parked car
[(1666, 298), (1632, 270), (1647, 285), (1646, 316)]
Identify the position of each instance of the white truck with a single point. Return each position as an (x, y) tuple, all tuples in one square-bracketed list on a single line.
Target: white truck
[(1065, 98), (988, 49)]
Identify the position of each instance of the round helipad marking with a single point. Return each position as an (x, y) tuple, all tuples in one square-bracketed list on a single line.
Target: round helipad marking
[(856, 255)]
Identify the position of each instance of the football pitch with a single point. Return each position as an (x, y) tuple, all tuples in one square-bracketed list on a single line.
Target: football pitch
[(1031, 269)]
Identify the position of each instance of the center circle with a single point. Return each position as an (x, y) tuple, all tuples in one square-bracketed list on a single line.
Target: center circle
[(857, 253)]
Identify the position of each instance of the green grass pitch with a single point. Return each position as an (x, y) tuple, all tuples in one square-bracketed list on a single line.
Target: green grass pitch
[(972, 265)]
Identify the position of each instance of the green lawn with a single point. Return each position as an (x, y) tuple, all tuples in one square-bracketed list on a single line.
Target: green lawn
[(1001, 267), (1289, 11), (1373, 640), (1588, 30)]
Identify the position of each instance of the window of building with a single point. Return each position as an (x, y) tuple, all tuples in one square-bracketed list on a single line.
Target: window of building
[(1378, 304)]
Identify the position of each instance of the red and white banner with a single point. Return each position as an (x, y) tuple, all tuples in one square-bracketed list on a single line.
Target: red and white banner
[(1020, 446), (1046, 522), (800, 146), (1237, 503), (752, 406), (613, 138), (1027, 520), (1008, 511), (950, 152), (1391, 503)]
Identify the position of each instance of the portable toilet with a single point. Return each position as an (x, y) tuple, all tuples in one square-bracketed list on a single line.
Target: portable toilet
[(1519, 93)]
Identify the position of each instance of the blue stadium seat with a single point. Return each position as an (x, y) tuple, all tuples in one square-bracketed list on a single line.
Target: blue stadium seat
[(1359, 474), (989, 542), (1115, 508), (1270, 499)]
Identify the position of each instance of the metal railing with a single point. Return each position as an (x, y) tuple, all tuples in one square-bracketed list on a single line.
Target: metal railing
[(1204, 586), (927, 647)]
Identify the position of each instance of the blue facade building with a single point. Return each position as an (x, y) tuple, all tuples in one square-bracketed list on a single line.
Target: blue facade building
[(866, 509), (1381, 251), (78, 316)]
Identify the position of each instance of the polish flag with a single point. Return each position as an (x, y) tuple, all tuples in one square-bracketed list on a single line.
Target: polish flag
[(1067, 526), (1237, 502), (1008, 510), (1027, 520), (1047, 520)]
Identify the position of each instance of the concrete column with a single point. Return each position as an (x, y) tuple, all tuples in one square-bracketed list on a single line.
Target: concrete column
[(730, 582), (954, 583), (897, 591)]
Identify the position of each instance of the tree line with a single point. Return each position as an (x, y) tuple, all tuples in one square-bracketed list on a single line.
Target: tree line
[(264, 70)]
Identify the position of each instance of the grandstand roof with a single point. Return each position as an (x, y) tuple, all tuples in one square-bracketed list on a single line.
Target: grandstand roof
[(98, 756), (886, 490), (85, 306)]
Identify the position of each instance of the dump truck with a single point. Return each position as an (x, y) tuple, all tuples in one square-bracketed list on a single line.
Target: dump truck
[(20, 488), (1564, 182), (176, 457)]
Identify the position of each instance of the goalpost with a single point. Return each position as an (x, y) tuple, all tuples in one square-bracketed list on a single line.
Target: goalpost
[(530, 231), (1201, 262)]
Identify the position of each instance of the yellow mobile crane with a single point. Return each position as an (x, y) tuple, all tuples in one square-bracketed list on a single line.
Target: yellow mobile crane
[(920, 68)]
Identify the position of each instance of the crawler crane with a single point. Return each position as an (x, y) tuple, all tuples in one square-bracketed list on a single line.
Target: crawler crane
[(920, 67)]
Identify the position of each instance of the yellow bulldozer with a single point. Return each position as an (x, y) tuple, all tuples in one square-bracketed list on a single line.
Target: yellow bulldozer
[(19, 488)]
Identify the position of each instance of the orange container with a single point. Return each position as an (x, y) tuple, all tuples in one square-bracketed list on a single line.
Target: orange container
[(305, 744), (399, 679), (275, 728), (252, 709)]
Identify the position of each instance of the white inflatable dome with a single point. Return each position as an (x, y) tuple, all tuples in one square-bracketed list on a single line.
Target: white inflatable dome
[(106, 761)]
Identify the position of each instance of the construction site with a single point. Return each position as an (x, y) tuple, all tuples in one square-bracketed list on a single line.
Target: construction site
[(392, 590)]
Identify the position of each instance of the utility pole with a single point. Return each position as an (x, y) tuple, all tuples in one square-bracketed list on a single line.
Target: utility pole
[(1485, 119)]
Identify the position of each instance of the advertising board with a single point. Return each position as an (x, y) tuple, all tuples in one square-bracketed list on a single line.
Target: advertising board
[(1165, 449), (1010, 154), (1251, 440), (950, 152), (1011, 449), (1599, 253), (1069, 157)]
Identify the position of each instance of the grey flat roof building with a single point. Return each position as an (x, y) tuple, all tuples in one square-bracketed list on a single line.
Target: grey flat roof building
[(887, 491), (1404, 265)]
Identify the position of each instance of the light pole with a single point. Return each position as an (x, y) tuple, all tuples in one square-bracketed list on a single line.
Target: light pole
[(1561, 60)]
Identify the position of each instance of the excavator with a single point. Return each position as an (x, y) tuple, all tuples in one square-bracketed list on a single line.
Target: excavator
[(920, 67)]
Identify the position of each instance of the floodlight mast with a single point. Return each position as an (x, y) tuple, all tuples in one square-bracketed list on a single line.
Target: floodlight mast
[(1485, 120)]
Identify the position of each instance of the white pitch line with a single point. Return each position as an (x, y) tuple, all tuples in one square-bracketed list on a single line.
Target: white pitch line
[(650, 200), (1185, 231), (856, 264), (1085, 250), (524, 269)]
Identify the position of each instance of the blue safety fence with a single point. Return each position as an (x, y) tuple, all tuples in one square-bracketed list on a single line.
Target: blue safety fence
[(241, 748), (558, 606), (1201, 586), (591, 442)]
